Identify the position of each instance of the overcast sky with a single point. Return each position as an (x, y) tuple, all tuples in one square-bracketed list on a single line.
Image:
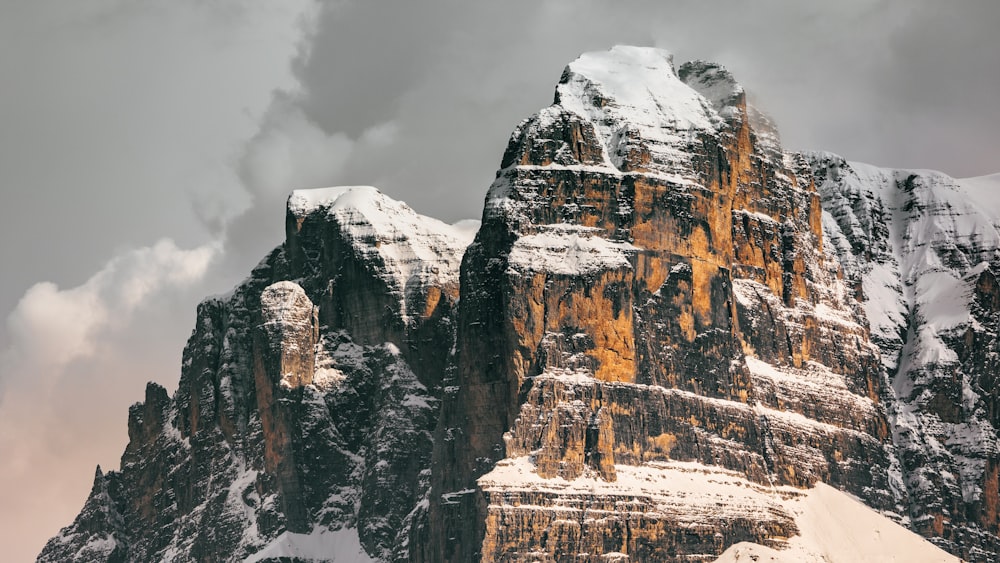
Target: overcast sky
[(147, 149)]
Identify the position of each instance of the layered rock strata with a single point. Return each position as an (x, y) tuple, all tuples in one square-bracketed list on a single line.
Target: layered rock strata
[(649, 284), (921, 251)]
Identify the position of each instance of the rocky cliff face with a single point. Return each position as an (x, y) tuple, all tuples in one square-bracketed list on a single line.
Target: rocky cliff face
[(922, 251), (302, 422), (649, 286), (667, 328)]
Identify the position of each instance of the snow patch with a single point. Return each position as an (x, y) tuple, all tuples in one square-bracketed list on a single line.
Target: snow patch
[(412, 251), (569, 250), (342, 546), (685, 487), (834, 527), (631, 94)]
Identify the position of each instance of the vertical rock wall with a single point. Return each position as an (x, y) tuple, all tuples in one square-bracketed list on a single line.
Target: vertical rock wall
[(642, 239)]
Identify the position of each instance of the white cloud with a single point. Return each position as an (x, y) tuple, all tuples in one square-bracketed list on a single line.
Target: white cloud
[(73, 364), (51, 327), (114, 108), (123, 121)]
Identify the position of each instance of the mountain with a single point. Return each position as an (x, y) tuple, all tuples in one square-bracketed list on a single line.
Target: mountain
[(922, 252), (668, 340), (304, 414)]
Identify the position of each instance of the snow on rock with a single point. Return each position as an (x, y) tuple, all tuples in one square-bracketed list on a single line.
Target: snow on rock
[(686, 489), (814, 386), (921, 248), (924, 233), (412, 250), (659, 511), (913, 239), (568, 250), (342, 546), (834, 527), (665, 112)]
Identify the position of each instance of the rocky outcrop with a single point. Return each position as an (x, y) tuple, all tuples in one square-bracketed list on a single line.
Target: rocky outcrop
[(306, 401), (667, 329), (661, 511), (649, 285), (97, 532)]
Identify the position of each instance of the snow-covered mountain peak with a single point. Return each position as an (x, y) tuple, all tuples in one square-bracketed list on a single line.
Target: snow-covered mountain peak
[(304, 202), (376, 211), (921, 248), (634, 95), (608, 79), (412, 251)]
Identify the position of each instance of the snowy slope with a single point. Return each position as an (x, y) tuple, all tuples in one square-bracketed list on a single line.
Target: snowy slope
[(342, 546), (837, 528), (924, 249), (833, 526), (663, 111)]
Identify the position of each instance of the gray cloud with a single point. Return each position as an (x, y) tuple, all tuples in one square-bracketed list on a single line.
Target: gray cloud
[(114, 113), (121, 124), (886, 82)]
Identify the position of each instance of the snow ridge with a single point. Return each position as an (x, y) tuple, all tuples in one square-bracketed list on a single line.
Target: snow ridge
[(414, 251), (568, 249), (917, 242)]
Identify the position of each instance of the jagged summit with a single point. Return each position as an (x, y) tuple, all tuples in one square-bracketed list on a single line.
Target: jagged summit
[(629, 93), (665, 97), (635, 87), (414, 251), (665, 334), (648, 286)]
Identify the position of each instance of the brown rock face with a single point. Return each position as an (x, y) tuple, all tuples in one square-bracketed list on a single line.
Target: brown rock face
[(288, 334), (639, 243)]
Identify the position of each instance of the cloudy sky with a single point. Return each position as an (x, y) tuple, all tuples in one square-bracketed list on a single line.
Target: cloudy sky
[(147, 149)]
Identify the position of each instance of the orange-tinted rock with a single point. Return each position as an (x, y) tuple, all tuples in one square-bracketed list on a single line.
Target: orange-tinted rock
[(568, 352)]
